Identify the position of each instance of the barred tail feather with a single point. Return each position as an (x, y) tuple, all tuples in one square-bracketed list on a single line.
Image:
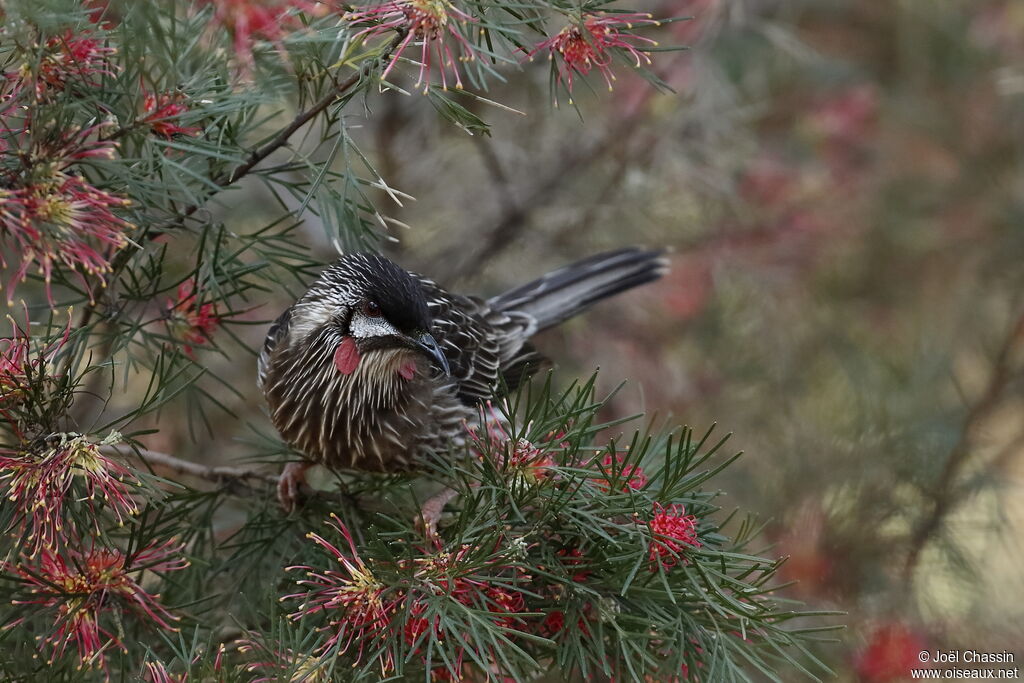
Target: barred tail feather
[(565, 292)]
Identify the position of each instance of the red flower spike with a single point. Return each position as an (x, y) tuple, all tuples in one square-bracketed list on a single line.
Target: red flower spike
[(156, 672), (69, 58), (574, 558), (891, 652), (553, 623), (433, 24), (21, 367), (38, 483), (63, 220), (525, 461), (160, 114), (189, 321), (352, 598), (581, 47), (672, 532), (251, 20), (89, 592), (284, 664), (14, 367), (631, 477)]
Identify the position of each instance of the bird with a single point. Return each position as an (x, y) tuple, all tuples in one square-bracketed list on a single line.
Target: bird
[(376, 368)]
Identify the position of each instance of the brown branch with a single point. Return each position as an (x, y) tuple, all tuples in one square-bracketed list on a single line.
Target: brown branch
[(943, 496), (217, 475), (494, 234), (233, 480)]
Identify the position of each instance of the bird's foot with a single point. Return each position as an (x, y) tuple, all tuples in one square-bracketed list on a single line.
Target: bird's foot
[(430, 513), (293, 476)]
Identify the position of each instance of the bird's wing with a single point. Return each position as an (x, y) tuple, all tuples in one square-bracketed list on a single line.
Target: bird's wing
[(486, 348), (278, 331)]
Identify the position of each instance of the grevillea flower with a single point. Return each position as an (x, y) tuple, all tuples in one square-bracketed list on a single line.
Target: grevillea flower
[(14, 366), (23, 366), (891, 652), (524, 461), (62, 220), (252, 20), (67, 59), (39, 479), (576, 561), (279, 663), (432, 24), (90, 592), (161, 114), (55, 217), (553, 623), (672, 532), (156, 672), (352, 598), (578, 48), (457, 576), (190, 321), (630, 477)]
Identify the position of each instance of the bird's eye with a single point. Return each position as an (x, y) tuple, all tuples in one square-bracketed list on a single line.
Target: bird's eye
[(371, 310)]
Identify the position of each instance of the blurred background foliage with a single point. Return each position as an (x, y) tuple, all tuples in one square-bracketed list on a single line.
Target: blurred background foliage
[(842, 183)]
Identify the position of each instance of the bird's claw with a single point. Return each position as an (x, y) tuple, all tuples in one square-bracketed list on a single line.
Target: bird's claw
[(430, 513), (289, 484)]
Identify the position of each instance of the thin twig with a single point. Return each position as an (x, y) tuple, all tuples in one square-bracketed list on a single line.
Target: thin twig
[(217, 475), (496, 233), (943, 496)]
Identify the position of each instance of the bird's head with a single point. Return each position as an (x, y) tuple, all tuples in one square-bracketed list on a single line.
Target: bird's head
[(365, 308)]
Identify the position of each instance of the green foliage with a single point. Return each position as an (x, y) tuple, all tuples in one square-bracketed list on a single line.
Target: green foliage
[(125, 128)]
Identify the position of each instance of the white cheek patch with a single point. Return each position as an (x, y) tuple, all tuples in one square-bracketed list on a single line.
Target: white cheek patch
[(363, 327), (308, 317)]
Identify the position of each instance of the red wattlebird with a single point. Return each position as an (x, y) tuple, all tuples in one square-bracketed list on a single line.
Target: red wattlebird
[(375, 367)]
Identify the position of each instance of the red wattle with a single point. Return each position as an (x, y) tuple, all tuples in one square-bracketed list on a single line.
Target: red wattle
[(346, 358), (407, 369)]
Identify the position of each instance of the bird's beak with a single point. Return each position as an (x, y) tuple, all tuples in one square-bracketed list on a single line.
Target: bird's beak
[(429, 345)]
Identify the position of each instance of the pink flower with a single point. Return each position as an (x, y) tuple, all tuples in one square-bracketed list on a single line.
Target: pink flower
[(156, 672), (458, 577), (524, 461), (505, 603), (848, 117), (251, 20), (23, 368), (189, 321), (890, 654), (161, 112), (630, 477), (352, 598), (280, 663), (672, 532), (38, 480), (432, 24), (14, 367), (592, 42), (68, 58), (88, 593), (62, 220), (553, 623), (574, 558)]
